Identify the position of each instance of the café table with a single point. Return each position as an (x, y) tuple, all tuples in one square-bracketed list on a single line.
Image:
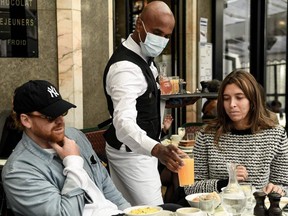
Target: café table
[(219, 211)]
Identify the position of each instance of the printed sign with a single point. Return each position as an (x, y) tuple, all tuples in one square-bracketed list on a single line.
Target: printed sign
[(203, 29), (205, 62), (18, 28)]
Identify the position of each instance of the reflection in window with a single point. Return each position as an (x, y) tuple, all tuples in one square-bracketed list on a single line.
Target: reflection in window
[(236, 35), (237, 41), (276, 57)]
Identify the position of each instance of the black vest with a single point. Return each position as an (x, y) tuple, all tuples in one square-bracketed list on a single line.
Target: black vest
[(147, 105)]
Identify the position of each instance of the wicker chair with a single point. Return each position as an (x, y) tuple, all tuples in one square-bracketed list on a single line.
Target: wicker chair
[(97, 140), (193, 127)]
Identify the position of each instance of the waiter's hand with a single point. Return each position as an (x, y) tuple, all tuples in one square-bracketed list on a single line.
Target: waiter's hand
[(170, 156)]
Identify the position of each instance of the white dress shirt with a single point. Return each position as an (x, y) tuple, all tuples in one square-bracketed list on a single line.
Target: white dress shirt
[(125, 86), (135, 173)]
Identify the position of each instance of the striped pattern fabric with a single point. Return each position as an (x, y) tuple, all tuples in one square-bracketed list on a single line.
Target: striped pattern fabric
[(264, 154)]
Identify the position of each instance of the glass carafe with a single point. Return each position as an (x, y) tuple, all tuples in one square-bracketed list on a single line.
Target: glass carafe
[(164, 80), (165, 85), (233, 197)]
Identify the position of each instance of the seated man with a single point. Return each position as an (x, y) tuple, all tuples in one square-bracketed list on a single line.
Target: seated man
[(53, 170)]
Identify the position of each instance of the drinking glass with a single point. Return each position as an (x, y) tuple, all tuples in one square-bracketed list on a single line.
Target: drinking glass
[(248, 191), (181, 132), (190, 136), (186, 173), (175, 84), (207, 205)]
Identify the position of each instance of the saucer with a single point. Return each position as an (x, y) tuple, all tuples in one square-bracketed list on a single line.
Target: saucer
[(186, 148)]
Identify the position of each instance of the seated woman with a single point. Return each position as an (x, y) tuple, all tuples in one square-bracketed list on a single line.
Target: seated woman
[(244, 134)]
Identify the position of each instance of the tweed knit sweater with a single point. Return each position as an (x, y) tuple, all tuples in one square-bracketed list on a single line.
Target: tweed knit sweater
[(264, 154)]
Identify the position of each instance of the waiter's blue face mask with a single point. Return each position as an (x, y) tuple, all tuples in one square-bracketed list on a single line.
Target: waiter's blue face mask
[(153, 44)]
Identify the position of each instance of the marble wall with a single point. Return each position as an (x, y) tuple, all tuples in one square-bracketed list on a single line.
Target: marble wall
[(194, 11), (70, 58), (75, 43), (16, 71), (85, 42), (191, 55), (96, 51)]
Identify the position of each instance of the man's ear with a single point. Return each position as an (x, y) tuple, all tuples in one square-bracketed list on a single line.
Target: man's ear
[(25, 120), (138, 25)]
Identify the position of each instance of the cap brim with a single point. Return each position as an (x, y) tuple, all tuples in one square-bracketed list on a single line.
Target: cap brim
[(56, 109)]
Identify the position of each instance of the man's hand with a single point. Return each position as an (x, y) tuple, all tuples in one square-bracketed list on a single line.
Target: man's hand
[(170, 156), (69, 147)]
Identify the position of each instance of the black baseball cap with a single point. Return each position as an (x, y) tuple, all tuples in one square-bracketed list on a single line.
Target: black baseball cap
[(41, 96)]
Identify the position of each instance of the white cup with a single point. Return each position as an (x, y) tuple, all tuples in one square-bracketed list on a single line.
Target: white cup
[(189, 211)]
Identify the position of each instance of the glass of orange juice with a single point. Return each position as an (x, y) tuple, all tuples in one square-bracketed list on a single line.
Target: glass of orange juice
[(186, 173)]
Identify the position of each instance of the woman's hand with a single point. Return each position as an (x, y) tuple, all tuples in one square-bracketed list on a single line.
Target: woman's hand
[(270, 187), (241, 173)]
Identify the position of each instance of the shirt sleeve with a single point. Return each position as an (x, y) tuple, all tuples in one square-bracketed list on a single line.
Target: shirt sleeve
[(125, 83), (278, 166), (76, 176)]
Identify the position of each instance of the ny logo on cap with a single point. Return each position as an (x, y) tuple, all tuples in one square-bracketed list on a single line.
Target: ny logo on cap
[(53, 92)]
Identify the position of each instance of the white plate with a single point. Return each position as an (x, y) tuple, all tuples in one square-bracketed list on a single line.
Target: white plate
[(186, 148), (166, 213), (187, 211), (128, 210)]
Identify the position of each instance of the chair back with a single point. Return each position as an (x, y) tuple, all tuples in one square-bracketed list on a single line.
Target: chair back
[(97, 140), (193, 127), (4, 210)]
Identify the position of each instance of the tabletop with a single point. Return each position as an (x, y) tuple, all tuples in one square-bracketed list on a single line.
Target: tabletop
[(219, 211)]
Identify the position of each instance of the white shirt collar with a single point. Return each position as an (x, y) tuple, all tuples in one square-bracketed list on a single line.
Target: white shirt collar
[(133, 46), (50, 150)]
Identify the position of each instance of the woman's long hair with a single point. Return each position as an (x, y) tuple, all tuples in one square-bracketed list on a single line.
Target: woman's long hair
[(258, 118)]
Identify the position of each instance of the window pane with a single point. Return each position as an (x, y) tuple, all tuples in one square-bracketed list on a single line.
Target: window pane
[(276, 55), (236, 35)]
